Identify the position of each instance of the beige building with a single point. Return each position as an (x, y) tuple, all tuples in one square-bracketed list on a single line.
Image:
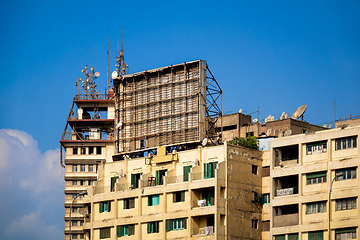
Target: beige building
[(203, 193), (86, 142), (296, 187)]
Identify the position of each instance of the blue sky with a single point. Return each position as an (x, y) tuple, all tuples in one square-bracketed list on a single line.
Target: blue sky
[(276, 55)]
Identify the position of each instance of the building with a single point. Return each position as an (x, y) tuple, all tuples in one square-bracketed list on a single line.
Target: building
[(86, 142), (206, 192), (298, 172)]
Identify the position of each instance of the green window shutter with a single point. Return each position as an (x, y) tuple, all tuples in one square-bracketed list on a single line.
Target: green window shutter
[(186, 171), (214, 165), (149, 200), (156, 200), (280, 237), (133, 180), (101, 207), (112, 183), (157, 178), (120, 231), (206, 170), (148, 228), (109, 206), (345, 230), (131, 202), (131, 230), (184, 223), (168, 225), (315, 175), (174, 197), (293, 236), (182, 196)]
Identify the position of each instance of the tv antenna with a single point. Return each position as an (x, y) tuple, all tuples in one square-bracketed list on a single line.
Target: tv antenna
[(87, 87), (121, 67)]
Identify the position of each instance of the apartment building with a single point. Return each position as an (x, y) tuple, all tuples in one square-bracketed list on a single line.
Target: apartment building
[(202, 193), (296, 187), (86, 142)]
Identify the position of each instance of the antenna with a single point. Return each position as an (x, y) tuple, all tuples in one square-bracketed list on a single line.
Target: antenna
[(107, 80), (204, 142), (121, 66)]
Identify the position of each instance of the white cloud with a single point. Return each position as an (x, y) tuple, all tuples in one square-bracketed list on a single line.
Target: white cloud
[(31, 201)]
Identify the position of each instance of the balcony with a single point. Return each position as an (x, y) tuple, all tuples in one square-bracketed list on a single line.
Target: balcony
[(286, 156), (286, 215), (97, 134), (203, 226), (202, 232), (285, 186)]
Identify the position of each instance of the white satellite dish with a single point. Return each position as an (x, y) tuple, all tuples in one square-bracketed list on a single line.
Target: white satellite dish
[(299, 112), (330, 125), (97, 74), (204, 142), (269, 132), (255, 120), (272, 118), (240, 110), (280, 134), (325, 125), (114, 74), (282, 116), (121, 172), (287, 132), (286, 116)]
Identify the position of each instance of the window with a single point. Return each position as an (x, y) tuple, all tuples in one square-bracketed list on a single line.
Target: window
[(254, 224), (209, 170), (82, 168), (73, 236), (74, 209), (153, 200), (91, 167), (316, 207), (135, 180), (266, 198), (345, 204), (318, 147), (91, 150), (105, 206), (73, 223), (75, 150), (347, 173), (74, 168), (83, 182), (317, 235), (345, 233), (293, 236), (91, 182), (344, 143), (112, 183), (83, 150), (98, 150), (152, 227), (266, 171), (159, 179), (74, 196), (81, 222), (254, 169), (186, 171), (176, 224), (129, 203), (104, 233), (179, 196), (81, 236), (255, 197), (317, 177), (266, 226), (125, 230), (74, 183), (279, 237)]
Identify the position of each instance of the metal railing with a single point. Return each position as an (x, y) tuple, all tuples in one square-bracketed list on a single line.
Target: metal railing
[(92, 97)]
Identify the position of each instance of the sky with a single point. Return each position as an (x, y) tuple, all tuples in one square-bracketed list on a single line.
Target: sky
[(271, 55)]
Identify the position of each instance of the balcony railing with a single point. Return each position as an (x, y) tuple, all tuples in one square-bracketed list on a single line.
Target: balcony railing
[(205, 231), (204, 203), (286, 220), (87, 135), (92, 97), (285, 192)]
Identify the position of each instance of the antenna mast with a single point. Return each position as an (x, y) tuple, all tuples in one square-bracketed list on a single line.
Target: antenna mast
[(121, 66), (107, 81)]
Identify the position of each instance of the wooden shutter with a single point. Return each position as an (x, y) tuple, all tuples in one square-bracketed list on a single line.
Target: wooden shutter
[(131, 202), (131, 230), (168, 225), (120, 231), (184, 222)]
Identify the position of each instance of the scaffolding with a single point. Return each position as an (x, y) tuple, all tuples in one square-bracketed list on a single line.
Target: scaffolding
[(167, 106)]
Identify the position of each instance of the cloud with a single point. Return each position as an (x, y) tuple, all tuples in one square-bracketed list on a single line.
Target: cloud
[(31, 199)]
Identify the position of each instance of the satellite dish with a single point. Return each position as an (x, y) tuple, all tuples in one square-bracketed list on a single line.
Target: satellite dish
[(269, 132), (121, 172), (114, 74), (97, 74), (282, 116), (272, 118), (299, 112), (330, 125), (287, 132), (83, 211), (240, 110), (280, 134), (204, 142), (255, 120), (325, 125), (286, 116)]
